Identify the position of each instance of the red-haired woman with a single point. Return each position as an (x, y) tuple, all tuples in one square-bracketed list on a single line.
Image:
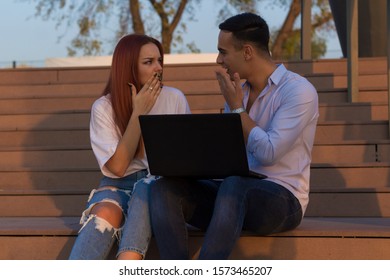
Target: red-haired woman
[(117, 209)]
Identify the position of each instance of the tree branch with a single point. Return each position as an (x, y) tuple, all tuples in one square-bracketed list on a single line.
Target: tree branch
[(178, 15), (288, 25), (168, 28), (138, 25)]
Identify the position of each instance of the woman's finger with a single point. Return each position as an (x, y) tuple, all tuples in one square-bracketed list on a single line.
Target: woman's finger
[(155, 84), (133, 90)]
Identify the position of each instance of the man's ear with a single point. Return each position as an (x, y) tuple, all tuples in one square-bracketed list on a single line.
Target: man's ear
[(247, 52)]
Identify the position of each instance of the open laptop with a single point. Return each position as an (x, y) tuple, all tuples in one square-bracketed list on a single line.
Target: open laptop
[(204, 146)]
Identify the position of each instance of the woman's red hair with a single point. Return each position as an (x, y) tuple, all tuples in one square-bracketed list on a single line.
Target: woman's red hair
[(124, 70)]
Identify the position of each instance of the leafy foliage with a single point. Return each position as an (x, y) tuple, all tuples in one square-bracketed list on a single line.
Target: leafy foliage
[(139, 16)]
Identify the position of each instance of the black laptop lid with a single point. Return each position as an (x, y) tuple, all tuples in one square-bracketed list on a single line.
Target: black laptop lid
[(194, 145)]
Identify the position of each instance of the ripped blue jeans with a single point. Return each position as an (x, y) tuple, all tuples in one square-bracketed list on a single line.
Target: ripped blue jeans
[(96, 237)]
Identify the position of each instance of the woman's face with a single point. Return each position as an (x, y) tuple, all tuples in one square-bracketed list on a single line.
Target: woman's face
[(149, 62)]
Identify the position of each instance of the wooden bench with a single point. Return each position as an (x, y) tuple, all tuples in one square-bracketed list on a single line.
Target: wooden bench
[(47, 166)]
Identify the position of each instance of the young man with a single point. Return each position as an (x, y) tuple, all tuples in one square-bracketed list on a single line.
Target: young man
[(279, 112)]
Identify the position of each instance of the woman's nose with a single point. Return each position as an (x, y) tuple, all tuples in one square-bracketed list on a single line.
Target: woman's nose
[(158, 67)]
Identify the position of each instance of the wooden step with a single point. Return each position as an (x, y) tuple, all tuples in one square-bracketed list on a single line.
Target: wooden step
[(347, 176), (353, 112), (337, 96), (52, 90), (58, 160), (328, 239), (328, 112), (367, 65), (322, 82), (39, 76), (376, 65), (332, 96), (336, 131), (351, 152), (330, 81), (30, 157), (349, 204), (83, 105), (44, 138), (71, 137), (65, 192), (57, 157), (39, 205), (46, 105), (47, 167), (336, 154), (66, 180), (323, 177), (329, 131), (322, 204), (60, 121)]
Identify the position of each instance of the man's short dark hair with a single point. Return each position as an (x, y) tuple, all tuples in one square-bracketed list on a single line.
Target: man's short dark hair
[(248, 27)]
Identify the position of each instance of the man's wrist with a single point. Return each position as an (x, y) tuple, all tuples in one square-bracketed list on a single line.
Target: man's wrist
[(238, 110)]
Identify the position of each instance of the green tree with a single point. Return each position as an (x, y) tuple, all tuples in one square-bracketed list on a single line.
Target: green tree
[(131, 15), (140, 16), (285, 42)]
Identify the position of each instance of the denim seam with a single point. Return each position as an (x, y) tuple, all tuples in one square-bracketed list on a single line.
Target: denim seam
[(132, 249), (243, 202), (185, 229), (276, 229)]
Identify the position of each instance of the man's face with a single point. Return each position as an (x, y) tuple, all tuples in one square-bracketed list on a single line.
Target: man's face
[(229, 57)]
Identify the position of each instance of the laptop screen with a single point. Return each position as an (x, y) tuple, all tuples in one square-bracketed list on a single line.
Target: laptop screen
[(194, 145)]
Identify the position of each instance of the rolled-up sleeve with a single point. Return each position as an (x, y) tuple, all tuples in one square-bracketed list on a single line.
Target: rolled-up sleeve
[(104, 137), (257, 138)]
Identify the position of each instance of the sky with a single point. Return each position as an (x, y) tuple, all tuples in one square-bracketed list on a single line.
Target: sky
[(28, 39)]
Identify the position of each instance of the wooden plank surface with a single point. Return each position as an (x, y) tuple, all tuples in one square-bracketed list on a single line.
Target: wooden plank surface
[(342, 227), (315, 239)]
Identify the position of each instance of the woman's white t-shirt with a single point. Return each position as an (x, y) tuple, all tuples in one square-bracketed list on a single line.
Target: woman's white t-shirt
[(105, 135)]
